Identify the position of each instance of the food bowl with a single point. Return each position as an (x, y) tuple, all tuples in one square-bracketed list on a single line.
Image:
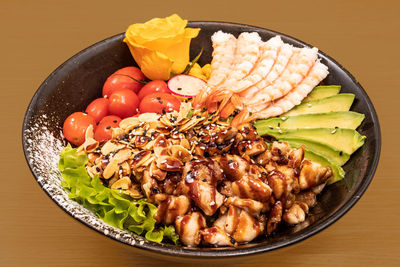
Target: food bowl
[(73, 85)]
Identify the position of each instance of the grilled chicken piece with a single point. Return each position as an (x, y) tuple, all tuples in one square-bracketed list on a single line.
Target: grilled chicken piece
[(149, 186), (251, 147), (188, 228), (280, 152), (233, 166), (171, 208), (313, 174), (250, 187), (205, 196), (248, 227), (277, 182), (204, 170), (296, 156), (248, 131), (292, 182), (239, 224), (264, 158), (170, 182), (251, 206), (307, 197), (296, 213), (225, 188), (217, 237), (258, 172), (274, 217)]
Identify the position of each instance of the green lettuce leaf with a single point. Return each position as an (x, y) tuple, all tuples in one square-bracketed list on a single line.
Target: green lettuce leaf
[(111, 206)]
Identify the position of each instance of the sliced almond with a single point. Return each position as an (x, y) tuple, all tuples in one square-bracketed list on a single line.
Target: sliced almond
[(109, 147), (156, 172), (134, 191), (148, 117), (180, 153), (110, 169), (129, 123), (123, 155), (123, 183), (185, 143)]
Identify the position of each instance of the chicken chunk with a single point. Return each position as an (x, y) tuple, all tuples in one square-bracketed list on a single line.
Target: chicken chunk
[(253, 207), (307, 197), (188, 228), (280, 152), (149, 185), (251, 147), (250, 187), (313, 174), (248, 227), (274, 217), (233, 166), (171, 208), (296, 213), (217, 237)]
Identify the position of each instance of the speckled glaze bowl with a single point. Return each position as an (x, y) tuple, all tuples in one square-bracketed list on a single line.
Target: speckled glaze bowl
[(79, 80)]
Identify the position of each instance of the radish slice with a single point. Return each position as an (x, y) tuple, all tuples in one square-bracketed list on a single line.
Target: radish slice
[(186, 85)]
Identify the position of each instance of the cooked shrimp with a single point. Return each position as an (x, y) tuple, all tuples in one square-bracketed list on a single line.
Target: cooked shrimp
[(269, 53), (247, 53), (316, 75), (297, 68), (224, 45), (281, 62)]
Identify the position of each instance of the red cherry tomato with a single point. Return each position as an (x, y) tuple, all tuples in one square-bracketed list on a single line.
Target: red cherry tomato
[(103, 130), (123, 103), (75, 126), (98, 108), (156, 86), (124, 79), (159, 103)]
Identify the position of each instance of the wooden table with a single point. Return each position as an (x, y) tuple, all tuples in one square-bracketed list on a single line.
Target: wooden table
[(37, 36)]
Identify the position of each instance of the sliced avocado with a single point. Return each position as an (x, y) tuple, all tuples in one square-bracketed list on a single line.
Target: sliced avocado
[(340, 102), (341, 119), (346, 140), (338, 172), (322, 91), (332, 154)]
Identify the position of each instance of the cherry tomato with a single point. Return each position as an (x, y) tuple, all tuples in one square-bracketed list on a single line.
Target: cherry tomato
[(159, 103), (98, 108), (75, 126), (123, 103), (124, 79), (103, 131), (156, 86)]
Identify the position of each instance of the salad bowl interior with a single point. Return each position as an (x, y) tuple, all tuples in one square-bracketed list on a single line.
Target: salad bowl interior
[(73, 85)]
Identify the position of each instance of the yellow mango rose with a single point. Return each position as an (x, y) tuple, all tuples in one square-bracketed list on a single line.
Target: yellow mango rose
[(160, 46)]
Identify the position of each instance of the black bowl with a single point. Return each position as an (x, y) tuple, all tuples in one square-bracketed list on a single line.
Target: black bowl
[(79, 80)]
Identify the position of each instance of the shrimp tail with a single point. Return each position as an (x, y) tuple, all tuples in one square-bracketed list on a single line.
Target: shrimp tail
[(240, 118)]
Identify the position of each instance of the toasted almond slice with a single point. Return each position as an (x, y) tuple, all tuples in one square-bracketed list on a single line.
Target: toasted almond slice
[(180, 153), (126, 170), (148, 117), (117, 132), (140, 158), (89, 145), (189, 125), (109, 147), (166, 121), (134, 191), (168, 163), (184, 110), (123, 155), (110, 169), (156, 172), (149, 145), (185, 143), (129, 123), (123, 183)]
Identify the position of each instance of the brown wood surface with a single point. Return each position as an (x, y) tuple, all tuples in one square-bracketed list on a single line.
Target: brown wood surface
[(37, 36)]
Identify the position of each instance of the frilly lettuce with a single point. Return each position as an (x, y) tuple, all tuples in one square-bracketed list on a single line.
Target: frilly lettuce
[(112, 207)]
